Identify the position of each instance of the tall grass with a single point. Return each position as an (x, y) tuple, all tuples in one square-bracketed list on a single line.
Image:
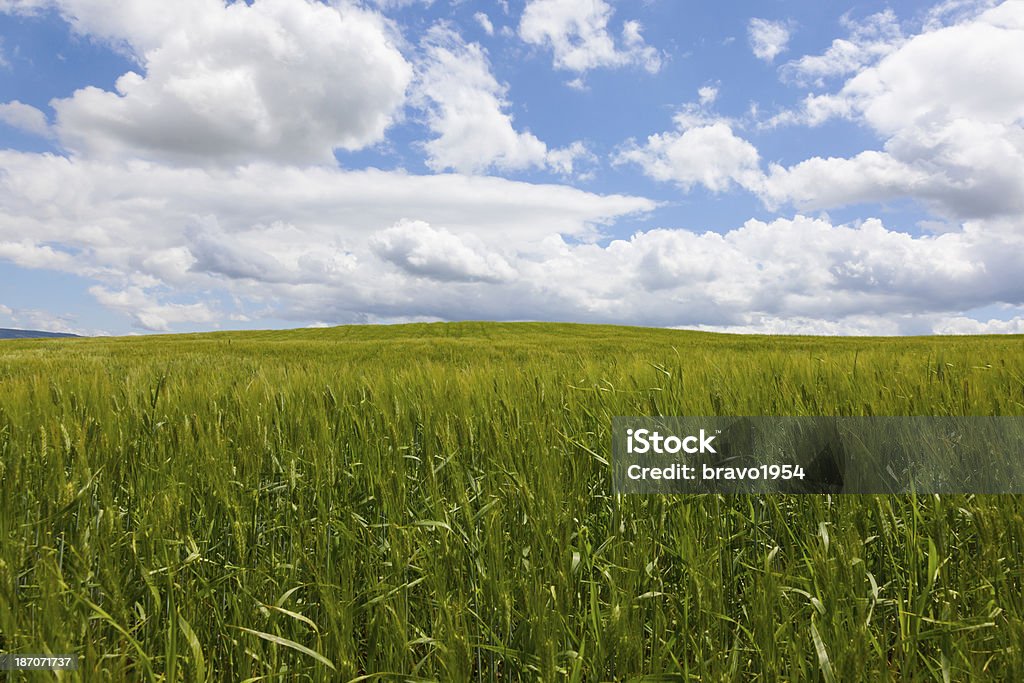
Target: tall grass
[(433, 502)]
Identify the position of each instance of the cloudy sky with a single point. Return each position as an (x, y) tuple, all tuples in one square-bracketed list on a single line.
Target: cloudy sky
[(784, 166)]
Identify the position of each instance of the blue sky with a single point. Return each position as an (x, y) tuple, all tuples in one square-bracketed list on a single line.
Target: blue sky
[(757, 167)]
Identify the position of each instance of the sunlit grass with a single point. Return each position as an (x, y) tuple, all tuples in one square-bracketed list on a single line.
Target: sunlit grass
[(434, 502)]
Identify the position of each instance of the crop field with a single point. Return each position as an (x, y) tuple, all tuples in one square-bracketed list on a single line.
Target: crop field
[(434, 502)]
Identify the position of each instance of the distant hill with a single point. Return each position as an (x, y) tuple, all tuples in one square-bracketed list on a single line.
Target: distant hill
[(31, 334)]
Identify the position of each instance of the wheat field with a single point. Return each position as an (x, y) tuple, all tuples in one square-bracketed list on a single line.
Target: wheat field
[(434, 502)]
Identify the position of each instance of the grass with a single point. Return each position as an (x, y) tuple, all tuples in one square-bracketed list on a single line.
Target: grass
[(433, 502)]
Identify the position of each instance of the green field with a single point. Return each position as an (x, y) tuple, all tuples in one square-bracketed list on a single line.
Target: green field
[(433, 502)]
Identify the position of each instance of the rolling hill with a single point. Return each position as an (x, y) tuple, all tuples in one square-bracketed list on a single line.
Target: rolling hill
[(7, 333)]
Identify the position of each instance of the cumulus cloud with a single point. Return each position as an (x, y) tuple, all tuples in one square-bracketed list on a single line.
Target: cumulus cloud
[(22, 7), (295, 241), (485, 23), (976, 72), (357, 246), (38, 319), (948, 104), (32, 254), (798, 269), (150, 314), (868, 41), (768, 39), (566, 160), (269, 254), (419, 249), (702, 150), (465, 107), (964, 325), (869, 325), (241, 221), (577, 33), (707, 95), (711, 155), (859, 325), (391, 4), (105, 203), (24, 117), (949, 12), (288, 80)]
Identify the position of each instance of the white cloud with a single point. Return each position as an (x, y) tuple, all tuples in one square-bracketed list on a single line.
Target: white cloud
[(24, 117), (951, 12), (465, 107), (869, 325), (768, 39), (391, 4), (150, 314), (962, 155), (974, 72), (867, 42), (565, 160), (295, 242), (707, 95), (436, 254), (949, 105), (485, 23), (288, 80), (965, 325), (24, 7), (20, 7), (818, 183), (805, 271), (161, 241), (31, 254), (859, 325), (108, 204), (37, 319), (702, 150), (710, 155), (577, 33), (329, 245)]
